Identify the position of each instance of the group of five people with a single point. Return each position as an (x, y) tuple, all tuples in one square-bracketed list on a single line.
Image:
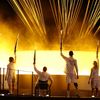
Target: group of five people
[(71, 74)]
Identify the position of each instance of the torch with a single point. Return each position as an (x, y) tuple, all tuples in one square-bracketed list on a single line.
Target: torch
[(97, 52), (97, 49), (61, 41), (16, 46), (34, 62)]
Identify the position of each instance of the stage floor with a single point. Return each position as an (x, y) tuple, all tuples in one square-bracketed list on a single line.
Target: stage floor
[(24, 97), (82, 94)]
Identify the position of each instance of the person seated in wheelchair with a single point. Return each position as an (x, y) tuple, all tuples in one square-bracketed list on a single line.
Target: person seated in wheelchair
[(44, 81)]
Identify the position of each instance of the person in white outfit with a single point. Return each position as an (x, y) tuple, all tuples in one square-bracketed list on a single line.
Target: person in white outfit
[(43, 78), (94, 79), (11, 75), (71, 72)]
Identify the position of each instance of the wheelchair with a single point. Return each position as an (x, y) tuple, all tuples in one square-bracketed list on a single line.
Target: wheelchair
[(42, 88)]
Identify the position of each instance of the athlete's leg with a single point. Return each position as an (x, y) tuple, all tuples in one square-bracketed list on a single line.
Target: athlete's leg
[(76, 85), (9, 81), (97, 92), (68, 89), (68, 79), (92, 91), (10, 87), (92, 87), (96, 87), (13, 85), (74, 79), (76, 88)]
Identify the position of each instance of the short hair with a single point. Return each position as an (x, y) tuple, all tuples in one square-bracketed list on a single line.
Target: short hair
[(71, 53), (11, 59), (95, 63), (44, 68)]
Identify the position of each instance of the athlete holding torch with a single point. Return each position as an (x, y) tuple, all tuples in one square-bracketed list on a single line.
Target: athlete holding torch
[(71, 69)]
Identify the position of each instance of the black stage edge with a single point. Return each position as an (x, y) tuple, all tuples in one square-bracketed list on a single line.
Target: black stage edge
[(4, 91), (20, 97)]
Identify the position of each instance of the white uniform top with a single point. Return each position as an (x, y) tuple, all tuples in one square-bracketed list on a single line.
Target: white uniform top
[(43, 76), (10, 71), (70, 65), (94, 74)]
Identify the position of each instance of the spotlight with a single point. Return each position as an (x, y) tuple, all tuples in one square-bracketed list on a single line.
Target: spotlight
[(2, 94)]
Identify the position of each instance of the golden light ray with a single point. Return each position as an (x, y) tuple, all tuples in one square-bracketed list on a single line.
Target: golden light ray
[(67, 19), (31, 14)]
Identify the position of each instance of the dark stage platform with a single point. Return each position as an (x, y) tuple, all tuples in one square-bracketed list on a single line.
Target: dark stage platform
[(25, 97), (4, 94)]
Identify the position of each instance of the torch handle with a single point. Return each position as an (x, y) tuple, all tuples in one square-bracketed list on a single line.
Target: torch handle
[(34, 62), (61, 42), (97, 51)]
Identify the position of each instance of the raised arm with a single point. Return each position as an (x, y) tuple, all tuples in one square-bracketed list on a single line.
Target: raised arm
[(64, 57), (37, 71), (15, 59)]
